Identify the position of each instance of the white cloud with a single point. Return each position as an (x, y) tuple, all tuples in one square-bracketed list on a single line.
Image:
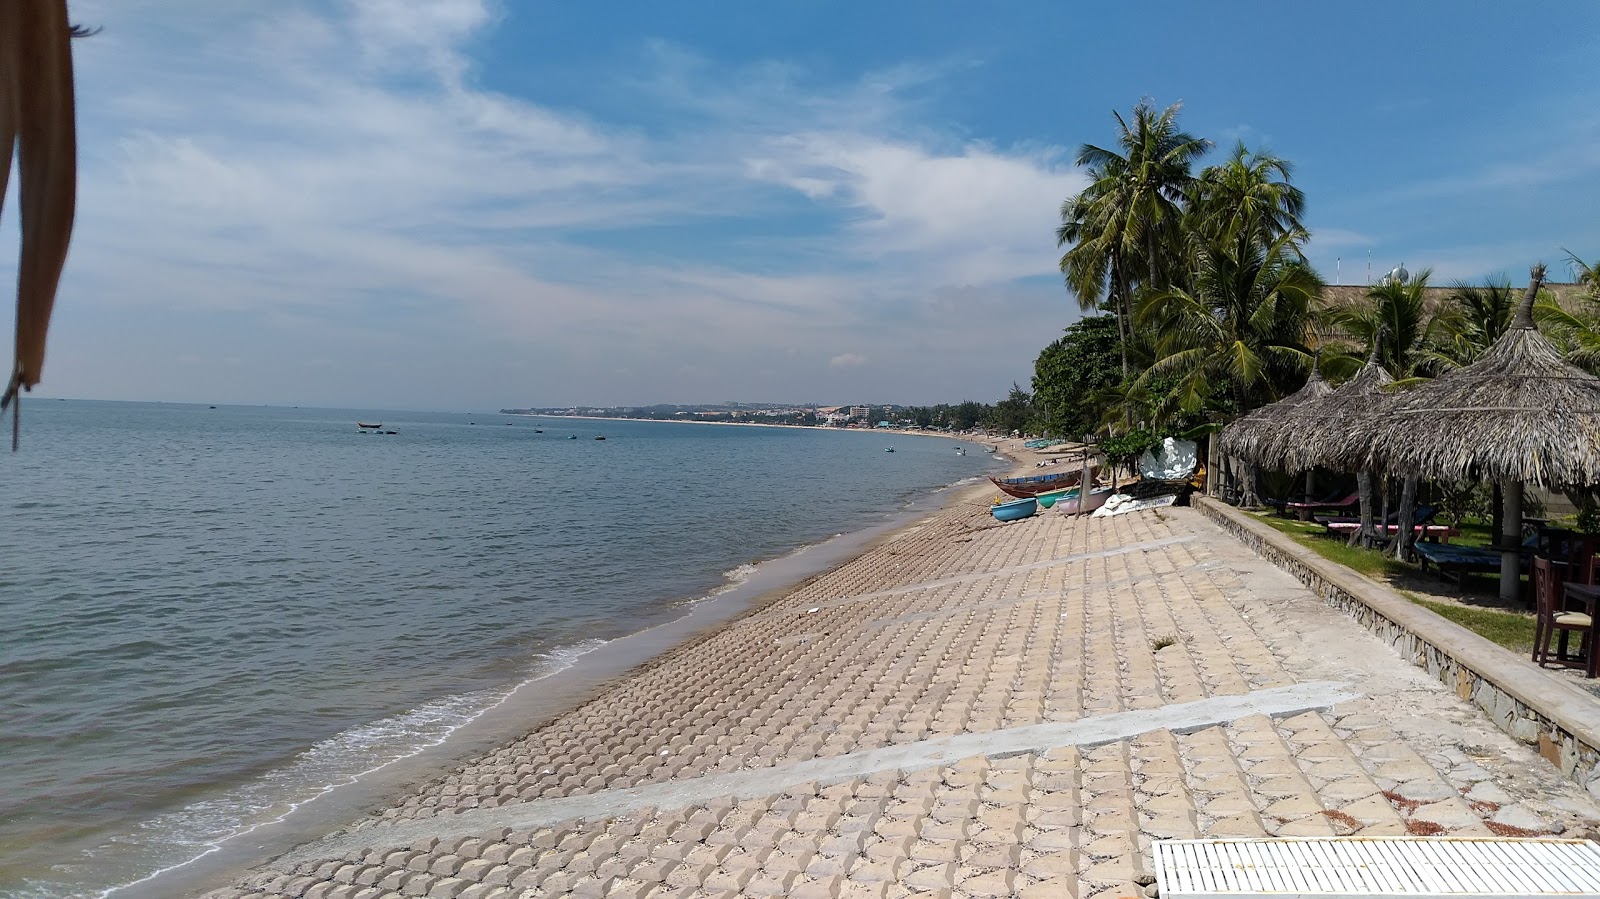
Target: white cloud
[(980, 215), (280, 179)]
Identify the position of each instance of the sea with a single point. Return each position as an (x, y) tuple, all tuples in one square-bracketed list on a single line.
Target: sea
[(213, 615)]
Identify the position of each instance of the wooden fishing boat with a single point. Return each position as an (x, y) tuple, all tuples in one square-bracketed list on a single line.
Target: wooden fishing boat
[(1026, 488), (1097, 498), (375, 427), (1050, 497), (1014, 510)]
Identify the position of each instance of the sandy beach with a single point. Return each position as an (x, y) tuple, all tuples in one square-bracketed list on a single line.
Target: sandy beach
[(965, 709)]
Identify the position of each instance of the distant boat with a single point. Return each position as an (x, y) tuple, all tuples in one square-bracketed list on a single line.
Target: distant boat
[(599, 438), (1027, 488), (1014, 510), (888, 449), (572, 436), (375, 427), (538, 430), (961, 451)]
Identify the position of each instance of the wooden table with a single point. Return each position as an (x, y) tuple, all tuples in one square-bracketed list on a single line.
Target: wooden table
[(1589, 596)]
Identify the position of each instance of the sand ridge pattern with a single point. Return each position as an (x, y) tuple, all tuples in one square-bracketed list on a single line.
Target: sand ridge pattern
[(960, 626)]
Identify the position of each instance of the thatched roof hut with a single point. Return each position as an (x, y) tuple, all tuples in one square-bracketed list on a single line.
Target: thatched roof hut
[(1245, 438), (1519, 413), (36, 117), (1319, 434)]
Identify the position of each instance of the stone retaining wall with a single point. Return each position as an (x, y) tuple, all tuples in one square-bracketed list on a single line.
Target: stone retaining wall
[(1529, 703)]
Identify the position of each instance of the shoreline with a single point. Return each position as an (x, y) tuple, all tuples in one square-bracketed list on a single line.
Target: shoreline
[(949, 435), (533, 703)]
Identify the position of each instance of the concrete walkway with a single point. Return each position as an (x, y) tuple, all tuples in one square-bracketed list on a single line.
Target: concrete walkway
[(968, 710)]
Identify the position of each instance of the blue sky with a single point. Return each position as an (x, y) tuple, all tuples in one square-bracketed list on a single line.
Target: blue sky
[(467, 204)]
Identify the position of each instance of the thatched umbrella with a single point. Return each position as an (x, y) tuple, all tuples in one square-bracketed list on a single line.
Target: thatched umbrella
[(1520, 414), (1318, 432), (1244, 438), (36, 117)]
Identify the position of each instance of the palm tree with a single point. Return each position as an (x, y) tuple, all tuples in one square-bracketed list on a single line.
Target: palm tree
[(1131, 210), (1238, 338), (1585, 274), (1398, 311), (1473, 318), (1248, 194), (1091, 224)]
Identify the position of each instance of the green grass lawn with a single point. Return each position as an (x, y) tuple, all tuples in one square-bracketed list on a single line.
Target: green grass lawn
[(1514, 632), (1509, 629)]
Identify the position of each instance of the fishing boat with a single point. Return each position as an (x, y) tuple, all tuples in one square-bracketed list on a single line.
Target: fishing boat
[(888, 449), (600, 438), (370, 426), (1029, 487), (1014, 510), (1097, 498), (961, 451), (572, 436), (1050, 497)]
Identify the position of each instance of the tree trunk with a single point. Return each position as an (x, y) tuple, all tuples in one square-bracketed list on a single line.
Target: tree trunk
[(1408, 502), (1311, 485), (1119, 292), (1510, 539), (1250, 500), (1364, 492), (1496, 512)]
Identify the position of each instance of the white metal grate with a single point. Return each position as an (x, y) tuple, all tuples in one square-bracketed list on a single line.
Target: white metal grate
[(1316, 868)]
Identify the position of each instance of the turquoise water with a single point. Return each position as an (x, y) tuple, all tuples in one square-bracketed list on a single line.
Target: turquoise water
[(212, 614)]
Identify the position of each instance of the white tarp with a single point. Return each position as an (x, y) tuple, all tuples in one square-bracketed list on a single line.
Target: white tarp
[(1123, 503), (1174, 460)]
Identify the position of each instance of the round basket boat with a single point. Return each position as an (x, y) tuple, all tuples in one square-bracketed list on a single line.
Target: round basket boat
[(1014, 510)]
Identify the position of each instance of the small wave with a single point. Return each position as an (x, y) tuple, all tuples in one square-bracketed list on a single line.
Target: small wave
[(338, 761)]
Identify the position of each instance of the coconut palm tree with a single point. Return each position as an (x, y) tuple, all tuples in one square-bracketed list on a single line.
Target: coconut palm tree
[(1398, 311), (1238, 337), (1091, 224), (1472, 319), (1249, 193), (1126, 225), (1584, 273)]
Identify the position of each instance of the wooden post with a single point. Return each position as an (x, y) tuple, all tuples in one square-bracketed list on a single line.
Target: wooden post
[(1510, 539), (1085, 480)]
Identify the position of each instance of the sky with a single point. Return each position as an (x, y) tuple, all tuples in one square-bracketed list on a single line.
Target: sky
[(470, 204)]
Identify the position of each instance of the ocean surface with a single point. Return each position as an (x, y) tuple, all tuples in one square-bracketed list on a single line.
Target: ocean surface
[(211, 615)]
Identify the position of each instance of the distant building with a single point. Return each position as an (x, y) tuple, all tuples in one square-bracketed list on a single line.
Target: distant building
[(860, 413)]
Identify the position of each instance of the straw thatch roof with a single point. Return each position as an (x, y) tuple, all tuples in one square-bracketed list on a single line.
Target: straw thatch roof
[(1320, 433), (1519, 413), (1245, 436), (36, 117)]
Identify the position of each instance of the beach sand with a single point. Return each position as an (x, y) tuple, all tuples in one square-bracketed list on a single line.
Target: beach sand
[(966, 709)]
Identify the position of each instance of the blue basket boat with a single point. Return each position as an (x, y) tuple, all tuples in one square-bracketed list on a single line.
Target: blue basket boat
[(1020, 508)]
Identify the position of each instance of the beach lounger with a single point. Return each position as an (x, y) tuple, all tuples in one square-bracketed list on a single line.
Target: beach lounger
[(1349, 502), (1424, 514), (1439, 533), (1459, 561)]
